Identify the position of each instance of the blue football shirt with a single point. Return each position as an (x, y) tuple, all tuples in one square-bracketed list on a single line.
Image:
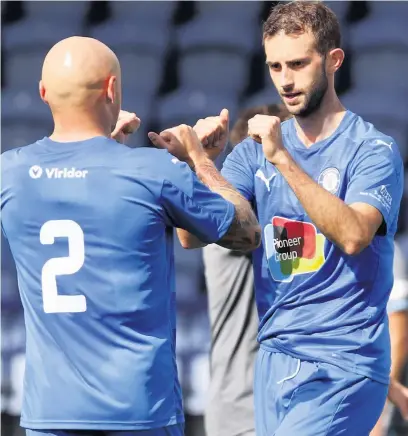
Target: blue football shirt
[(314, 301), (90, 228)]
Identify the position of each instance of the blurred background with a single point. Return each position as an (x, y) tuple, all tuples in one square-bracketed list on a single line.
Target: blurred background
[(182, 60)]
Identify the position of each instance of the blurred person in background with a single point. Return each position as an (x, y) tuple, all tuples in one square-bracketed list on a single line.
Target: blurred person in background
[(89, 223), (193, 336), (398, 322), (234, 319), (12, 346), (326, 186)]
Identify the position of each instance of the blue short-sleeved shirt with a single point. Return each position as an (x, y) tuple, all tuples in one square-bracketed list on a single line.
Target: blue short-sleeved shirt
[(90, 226), (315, 302)]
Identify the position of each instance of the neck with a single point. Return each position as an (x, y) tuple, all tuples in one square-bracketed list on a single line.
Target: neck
[(78, 126), (322, 123)]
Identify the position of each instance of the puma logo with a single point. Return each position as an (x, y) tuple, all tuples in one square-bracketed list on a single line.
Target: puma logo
[(266, 180), (381, 142)]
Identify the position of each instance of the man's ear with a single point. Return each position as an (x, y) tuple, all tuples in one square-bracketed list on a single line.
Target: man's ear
[(43, 93), (335, 59), (111, 89)]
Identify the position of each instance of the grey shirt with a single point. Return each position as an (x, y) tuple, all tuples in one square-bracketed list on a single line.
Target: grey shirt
[(399, 294), (234, 325)]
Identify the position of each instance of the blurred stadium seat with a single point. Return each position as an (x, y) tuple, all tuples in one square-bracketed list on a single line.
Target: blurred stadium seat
[(158, 14), (381, 32), (217, 33), (239, 13), (381, 66), (380, 51), (141, 72), (25, 118), (26, 105), (140, 49), (141, 104), (340, 8), (188, 105), (124, 36), (267, 95), (225, 70), (387, 110), (222, 53), (26, 42), (383, 10), (60, 12)]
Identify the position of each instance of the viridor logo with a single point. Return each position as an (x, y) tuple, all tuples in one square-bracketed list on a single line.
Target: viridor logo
[(36, 172)]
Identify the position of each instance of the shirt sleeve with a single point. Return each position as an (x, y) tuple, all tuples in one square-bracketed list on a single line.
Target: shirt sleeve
[(190, 205), (376, 178), (238, 168)]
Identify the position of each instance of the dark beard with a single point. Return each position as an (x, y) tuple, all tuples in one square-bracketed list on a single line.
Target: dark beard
[(315, 99)]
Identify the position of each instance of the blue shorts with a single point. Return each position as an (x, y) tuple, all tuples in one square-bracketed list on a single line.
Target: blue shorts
[(300, 398), (171, 430)]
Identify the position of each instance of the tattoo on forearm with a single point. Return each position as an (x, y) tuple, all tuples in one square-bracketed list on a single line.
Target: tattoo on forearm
[(237, 237), (211, 177), (244, 231)]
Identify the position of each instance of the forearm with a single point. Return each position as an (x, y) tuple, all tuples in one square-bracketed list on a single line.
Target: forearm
[(189, 241), (244, 233), (336, 220)]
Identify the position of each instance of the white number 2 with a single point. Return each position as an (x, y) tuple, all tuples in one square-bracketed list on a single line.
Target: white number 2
[(54, 303)]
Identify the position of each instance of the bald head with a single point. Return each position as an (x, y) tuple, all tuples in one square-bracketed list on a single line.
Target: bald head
[(81, 74)]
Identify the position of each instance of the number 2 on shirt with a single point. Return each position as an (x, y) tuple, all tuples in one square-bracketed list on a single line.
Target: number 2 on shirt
[(52, 302)]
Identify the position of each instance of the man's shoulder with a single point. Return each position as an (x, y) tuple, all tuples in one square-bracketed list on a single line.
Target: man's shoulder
[(16, 160), (373, 140), (248, 151), (158, 167), (149, 157), (15, 170), (23, 156), (11, 159), (370, 142), (286, 126)]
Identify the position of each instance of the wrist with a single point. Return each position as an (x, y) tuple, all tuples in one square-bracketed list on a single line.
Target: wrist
[(280, 158), (199, 160), (393, 390), (120, 137)]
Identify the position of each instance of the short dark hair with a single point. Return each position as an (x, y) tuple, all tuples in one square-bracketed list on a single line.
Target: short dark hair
[(240, 130), (297, 17)]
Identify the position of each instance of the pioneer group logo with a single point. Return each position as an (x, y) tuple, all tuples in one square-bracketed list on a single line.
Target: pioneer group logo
[(293, 248)]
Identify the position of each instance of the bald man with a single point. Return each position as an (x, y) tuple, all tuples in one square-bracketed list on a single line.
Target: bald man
[(89, 222)]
